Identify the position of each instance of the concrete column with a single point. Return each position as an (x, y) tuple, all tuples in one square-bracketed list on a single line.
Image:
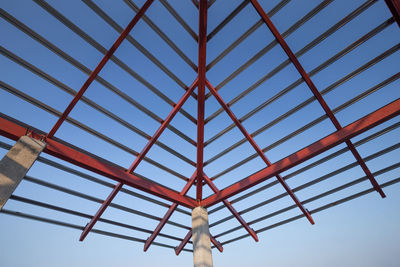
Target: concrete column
[(202, 256), (16, 163)]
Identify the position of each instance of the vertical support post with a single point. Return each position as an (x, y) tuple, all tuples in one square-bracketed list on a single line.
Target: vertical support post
[(16, 163), (202, 256), (201, 95), (138, 159)]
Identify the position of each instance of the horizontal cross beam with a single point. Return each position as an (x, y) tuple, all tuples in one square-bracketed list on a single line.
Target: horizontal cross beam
[(84, 159), (358, 127)]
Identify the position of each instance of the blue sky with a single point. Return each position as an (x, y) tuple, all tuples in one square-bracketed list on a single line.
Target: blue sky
[(362, 232)]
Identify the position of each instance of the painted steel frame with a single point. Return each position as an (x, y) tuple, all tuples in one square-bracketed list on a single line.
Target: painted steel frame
[(13, 129)]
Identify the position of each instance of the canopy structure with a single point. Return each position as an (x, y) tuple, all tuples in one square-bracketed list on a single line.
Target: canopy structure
[(251, 115)]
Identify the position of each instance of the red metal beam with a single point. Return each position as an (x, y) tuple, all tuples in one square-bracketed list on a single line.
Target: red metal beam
[(215, 242), (201, 95), (96, 71), (185, 240), (258, 150), (162, 127), (83, 159), (358, 127), (394, 7), (232, 209), (138, 159), (316, 93), (100, 212), (168, 214)]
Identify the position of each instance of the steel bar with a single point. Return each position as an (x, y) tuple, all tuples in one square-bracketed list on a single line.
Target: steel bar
[(196, 3), (252, 29), (315, 122), (394, 7), (81, 158), (258, 150), (97, 181), (162, 127), (180, 20), (312, 165), (305, 103), (163, 36), (223, 23), (168, 214), (138, 159), (99, 200), (299, 53), (69, 90), (99, 67), (74, 226), (18, 24), (371, 120), (200, 95), (8, 88), (315, 92), (52, 11), (145, 52), (321, 208), (311, 199), (232, 209), (84, 215), (316, 181), (186, 239)]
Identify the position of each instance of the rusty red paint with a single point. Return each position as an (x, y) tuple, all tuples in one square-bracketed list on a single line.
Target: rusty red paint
[(315, 92), (168, 214), (67, 152), (201, 95), (261, 154), (394, 7), (99, 67), (358, 127), (214, 188)]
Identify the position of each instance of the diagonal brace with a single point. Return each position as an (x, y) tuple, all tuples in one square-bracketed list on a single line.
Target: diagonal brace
[(258, 150), (185, 240), (138, 159), (394, 7), (231, 209), (352, 130), (99, 67), (168, 214), (316, 93)]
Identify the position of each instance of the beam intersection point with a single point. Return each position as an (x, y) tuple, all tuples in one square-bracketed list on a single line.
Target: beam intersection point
[(192, 201)]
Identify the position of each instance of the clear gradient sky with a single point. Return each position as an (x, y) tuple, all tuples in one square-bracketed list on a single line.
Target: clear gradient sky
[(362, 232)]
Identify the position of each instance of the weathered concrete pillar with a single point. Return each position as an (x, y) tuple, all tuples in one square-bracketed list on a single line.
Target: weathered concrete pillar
[(16, 163), (202, 256)]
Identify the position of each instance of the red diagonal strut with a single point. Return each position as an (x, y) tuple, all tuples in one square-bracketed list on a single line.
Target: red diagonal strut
[(13, 129), (232, 209), (96, 71), (168, 214), (394, 7), (185, 240), (358, 127), (316, 93), (258, 150), (138, 159), (201, 95)]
